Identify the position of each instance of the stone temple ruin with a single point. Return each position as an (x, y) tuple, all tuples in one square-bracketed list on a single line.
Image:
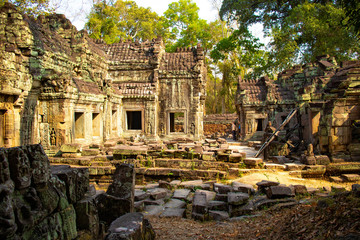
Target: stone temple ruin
[(58, 86), (130, 113), (326, 96)]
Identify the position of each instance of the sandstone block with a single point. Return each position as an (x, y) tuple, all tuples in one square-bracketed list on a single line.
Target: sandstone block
[(111, 207), (173, 212), (218, 215), (131, 226), (123, 182), (181, 194), (70, 148), (275, 192), (237, 198), (243, 187), (222, 188)]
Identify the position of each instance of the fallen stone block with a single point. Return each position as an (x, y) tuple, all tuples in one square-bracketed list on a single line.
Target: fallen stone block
[(275, 192), (308, 160), (173, 212), (217, 205), (123, 182), (111, 207), (253, 162), (351, 177), (300, 190), (153, 210), (175, 203), (337, 189), (154, 202), (246, 209), (222, 188), (157, 193), (322, 159), (266, 203), (140, 195), (218, 215), (335, 179), (165, 184), (221, 197), (243, 187), (199, 205), (71, 148), (237, 198), (181, 194), (265, 184), (210, 195), (90, 152), (131, 226), (236, 157)]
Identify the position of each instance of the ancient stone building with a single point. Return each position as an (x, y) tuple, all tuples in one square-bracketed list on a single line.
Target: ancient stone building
[(59, 86), (326, 95)]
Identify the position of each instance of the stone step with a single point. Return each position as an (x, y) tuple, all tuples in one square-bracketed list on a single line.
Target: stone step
[(183, 174)]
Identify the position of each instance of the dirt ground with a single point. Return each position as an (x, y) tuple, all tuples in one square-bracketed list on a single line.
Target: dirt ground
[(299, 222)]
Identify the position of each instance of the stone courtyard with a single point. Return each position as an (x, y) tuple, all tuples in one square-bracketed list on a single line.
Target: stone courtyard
[(96, 138)]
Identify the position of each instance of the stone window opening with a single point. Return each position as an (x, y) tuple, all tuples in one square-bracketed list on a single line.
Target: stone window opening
[(114, 120), (96, 123), (134, 120), (176, 122), (259, 123), (79, 125), (2, 128)]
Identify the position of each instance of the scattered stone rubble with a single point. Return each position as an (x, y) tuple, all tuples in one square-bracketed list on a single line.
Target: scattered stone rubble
[(57, 202), (203, 201), (183, 159)]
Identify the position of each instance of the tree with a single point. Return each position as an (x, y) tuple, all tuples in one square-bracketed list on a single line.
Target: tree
[(187, 29), (300, 29), (124, 20), (352, 12), (31, 7)]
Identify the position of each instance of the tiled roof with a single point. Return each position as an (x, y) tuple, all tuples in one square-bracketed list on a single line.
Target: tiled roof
[(87, 87), (255, 90), (130, 51), (185, 59)]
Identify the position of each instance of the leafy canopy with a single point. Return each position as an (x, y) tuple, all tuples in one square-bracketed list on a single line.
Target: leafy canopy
[(300, 30), (31, 7), (187, 29), (124, 20)]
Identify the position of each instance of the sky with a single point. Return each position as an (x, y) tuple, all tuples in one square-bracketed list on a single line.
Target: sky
[(77, 10)]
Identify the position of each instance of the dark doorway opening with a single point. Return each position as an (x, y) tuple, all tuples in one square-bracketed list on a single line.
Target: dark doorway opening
[(177, 122), (134, 120), (259, 125)]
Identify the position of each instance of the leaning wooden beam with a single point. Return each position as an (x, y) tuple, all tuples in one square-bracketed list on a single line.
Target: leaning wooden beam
[(272, 137)]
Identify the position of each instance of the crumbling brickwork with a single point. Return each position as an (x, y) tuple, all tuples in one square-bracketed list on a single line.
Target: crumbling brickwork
[(59, 86), (326, 95)]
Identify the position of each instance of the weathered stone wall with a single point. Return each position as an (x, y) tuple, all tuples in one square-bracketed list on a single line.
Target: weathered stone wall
[(326, 96), (59, 86), (36, 204), (57, 202)]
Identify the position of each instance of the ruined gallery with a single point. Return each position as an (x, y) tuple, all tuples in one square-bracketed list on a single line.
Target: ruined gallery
[(111, 141), (58, 86)]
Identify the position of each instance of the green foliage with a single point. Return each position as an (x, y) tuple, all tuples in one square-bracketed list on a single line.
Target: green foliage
[(124, 20), (31, 7), (300, 30), (187, 29), (352, 13)]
